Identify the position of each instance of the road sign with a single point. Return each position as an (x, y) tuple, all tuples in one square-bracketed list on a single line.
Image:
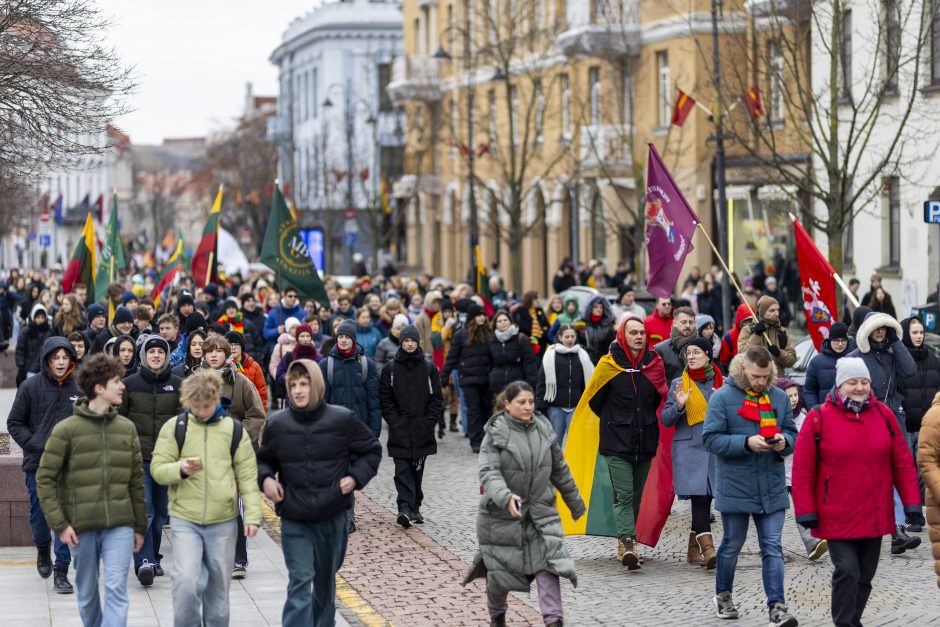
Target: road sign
[(32, 236), (314, 240), (932, 212), (45, 241), (351, 237), (45, 215)]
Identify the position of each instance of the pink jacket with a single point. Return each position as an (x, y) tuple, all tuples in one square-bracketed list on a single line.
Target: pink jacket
[(861, 458), (285, 343)]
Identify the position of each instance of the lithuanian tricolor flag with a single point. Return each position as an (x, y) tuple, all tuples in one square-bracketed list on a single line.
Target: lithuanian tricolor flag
[(483, 283), (81, 268), (169, 273), (206, 259)]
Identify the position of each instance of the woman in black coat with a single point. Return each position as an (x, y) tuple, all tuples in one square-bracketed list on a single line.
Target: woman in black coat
[(470, 356), (512, 355), (532, 321), (411, 401), (919, 390)]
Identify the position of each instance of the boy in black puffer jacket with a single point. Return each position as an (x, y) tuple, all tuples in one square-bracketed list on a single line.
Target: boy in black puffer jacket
[(919, 390), (29, 343)]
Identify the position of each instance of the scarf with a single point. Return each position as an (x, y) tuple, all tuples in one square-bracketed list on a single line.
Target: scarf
[(536, 326), (548, 367), (855, 407), (308, 351), (235, 324), (679, 342), (757, 407), (595, 318), (508, 334), (349, 353), (697, 404)]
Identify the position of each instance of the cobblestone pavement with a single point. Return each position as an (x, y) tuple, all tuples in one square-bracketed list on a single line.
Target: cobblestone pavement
[(666, 591)]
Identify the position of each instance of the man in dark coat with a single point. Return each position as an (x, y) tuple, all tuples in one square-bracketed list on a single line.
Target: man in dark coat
[(673, 350), (821, 371), (42, 402), (121, 324), (412, 403), (151, 397), (312, 457), (29, 343)]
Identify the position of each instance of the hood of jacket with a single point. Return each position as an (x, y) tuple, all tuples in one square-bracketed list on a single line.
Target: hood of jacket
[(739, 379), (142, 342), (36, 309), (286, 339), (741, 315), (858, 317), (50, 346), (872, 323), (608, 318), (317, 386)]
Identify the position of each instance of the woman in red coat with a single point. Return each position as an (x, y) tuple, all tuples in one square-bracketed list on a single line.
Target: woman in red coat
[(849, 456)]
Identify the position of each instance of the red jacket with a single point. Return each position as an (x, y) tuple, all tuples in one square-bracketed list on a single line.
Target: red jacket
[(657, 328), (255, 374), (862, 457), (729, 343)]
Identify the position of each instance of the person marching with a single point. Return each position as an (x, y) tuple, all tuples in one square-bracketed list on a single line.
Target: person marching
[(693, 467), (511, 354), (767, 331), (673, 350), (411, 400), (470, 356), (564, 374)]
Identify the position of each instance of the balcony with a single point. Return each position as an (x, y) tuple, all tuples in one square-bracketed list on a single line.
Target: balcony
[(605, 147), (415, 78), (795, 10), (279, 129), (606, 29)]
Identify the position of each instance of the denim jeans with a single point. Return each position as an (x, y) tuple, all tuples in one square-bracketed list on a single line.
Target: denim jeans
[(313, 553), (202, 572), (463, 402), (769, 528), (157, 515), (41, 531), (912, 438), (113, 548), (561, 420)]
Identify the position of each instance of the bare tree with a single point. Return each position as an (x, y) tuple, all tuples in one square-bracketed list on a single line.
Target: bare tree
[(16, 198), (59, 85), (158, 194)]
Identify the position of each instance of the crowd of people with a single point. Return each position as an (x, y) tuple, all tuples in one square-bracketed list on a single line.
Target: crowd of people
[(134, 413)]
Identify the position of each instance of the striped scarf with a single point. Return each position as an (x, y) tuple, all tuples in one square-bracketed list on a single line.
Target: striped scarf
[(757, 407), (697, 404)]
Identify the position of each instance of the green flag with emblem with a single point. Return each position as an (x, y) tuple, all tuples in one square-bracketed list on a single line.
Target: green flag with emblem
[(111, 258)]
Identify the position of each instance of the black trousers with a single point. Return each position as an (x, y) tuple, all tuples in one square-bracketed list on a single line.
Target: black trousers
[(479, 407), (241, 542), (855, 563), (408, 476), (701, 514)]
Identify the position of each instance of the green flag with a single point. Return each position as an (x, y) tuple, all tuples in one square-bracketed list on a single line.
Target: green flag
[(111, 258), (285, 252)]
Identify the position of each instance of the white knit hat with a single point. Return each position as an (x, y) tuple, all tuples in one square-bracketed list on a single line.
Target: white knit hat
[(400, 320), (849, 368)]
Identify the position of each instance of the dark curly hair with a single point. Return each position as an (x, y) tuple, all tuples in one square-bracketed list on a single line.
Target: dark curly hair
[(97, 370)]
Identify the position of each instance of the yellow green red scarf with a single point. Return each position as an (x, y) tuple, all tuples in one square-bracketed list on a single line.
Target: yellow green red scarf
[(696, 406), (757, 407)]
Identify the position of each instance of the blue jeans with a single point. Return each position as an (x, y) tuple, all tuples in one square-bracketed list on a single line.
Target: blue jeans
[(157, 515), (41, 531), (769, 528), (561, 420), (202, 572), (463, 403), (113, 547), (313, 553)]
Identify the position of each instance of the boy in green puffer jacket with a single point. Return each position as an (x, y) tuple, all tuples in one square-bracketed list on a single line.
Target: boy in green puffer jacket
[(90, 483), (205, 480)]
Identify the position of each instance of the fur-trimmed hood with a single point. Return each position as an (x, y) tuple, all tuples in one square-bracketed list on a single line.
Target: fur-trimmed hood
[(874, 321), (739, 379)]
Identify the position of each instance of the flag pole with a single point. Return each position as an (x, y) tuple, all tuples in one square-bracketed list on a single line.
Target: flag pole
[(209, 267)]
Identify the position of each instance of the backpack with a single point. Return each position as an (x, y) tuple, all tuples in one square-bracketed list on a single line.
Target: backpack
[(363, 363), (428, 365), (817, 436), (182, 421)]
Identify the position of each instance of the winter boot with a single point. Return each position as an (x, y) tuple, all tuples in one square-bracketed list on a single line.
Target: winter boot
[(631, 555), (707, 545), (44, 561), (60, 581), (498, 621), (694, 554), (901, 542), (453, 423), (403, 517)]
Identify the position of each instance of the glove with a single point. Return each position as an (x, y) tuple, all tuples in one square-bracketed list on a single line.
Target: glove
[(782, 339), (758, 329), (774, 350), (891, 336), (915, 518)]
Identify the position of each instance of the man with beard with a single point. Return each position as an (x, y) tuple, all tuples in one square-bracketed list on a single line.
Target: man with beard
[(673, 350), (766, 331)]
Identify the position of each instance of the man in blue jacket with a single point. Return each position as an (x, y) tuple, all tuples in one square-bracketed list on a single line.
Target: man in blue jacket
[(274, 324), (749, 428)]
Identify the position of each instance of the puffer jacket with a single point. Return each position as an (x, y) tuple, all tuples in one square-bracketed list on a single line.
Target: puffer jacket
[(150, 399), (308, 451), (91, 474), (928, 461), (41, 402), (746, 482), (210, 496), (368, 338), (821, 374), (472, 362), (285, 343), (525, 460), (919, 390), (252, 369), (845, 485), (349, 390), (512, 360), (245, 400), (597, 336), (411, 400), (386, 350), (29, 345)]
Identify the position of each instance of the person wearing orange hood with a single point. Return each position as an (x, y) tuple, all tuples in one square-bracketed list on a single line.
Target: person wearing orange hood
[(729, 342)]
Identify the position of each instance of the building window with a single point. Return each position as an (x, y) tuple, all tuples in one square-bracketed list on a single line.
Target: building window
[(298, 99), (775, 71), (469, 19), (626, 105), (594, 80), (892, 45), (539, 110), (491, 103), (514, 102), (598, 230), (664, 89), (848, 242), (846, 54), (426, 32), (565, 108), (893, 185), (935, 49), (451, 35), (417, 36), (313, 90), (491, 15), (385, 77)]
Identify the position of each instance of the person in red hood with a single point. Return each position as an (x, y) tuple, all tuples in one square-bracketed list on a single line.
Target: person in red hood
[(658, 324), (729, 342)]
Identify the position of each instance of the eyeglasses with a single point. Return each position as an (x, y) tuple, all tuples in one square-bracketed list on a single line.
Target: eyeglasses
[(839, 341)]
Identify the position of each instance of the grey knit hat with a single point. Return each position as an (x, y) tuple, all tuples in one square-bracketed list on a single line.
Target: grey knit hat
[(849, 368)]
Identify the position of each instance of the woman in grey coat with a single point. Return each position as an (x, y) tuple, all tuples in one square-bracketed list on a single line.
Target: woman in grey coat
[(388, 346), (693, 468), (518, 528)]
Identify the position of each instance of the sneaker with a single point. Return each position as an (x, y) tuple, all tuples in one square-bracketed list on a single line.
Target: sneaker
[(44, 561), (403, 519), (913, 527), (145, 574), (157, 570), (60, 582), (818, 550), (724, 606), (779, 617), (417, 518), (240, 571)]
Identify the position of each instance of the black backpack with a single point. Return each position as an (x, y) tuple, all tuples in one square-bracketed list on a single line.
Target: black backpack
[(182, 421)]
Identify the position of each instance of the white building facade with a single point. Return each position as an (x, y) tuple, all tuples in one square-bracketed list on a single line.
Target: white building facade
[(340, 139)]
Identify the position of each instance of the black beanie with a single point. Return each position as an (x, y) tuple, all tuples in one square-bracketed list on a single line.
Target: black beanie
[(195, 321), (347, 328), (839, 331), (122, 314), (475, 310), (410, 333), (185, 298), (704, 344), (234, 337)]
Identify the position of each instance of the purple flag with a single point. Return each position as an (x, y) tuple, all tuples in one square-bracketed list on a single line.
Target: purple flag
[(670, 223)]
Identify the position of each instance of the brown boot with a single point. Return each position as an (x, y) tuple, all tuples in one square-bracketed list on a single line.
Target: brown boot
[(621, 549), (694, 555), (707, 546), (631, 556)]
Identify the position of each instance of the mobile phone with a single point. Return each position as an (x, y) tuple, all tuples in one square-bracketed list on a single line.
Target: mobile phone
[(195, 461), (519, 505), (771, 441)]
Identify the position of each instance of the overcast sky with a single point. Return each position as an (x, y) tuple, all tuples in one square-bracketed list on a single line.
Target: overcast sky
[(193, 58)]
